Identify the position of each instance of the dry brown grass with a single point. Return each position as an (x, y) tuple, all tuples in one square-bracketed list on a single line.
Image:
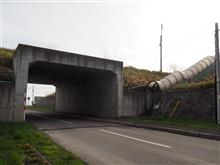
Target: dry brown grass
[(136, 77)]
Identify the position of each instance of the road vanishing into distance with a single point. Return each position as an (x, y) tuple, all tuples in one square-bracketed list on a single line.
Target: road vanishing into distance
[(100, 143)]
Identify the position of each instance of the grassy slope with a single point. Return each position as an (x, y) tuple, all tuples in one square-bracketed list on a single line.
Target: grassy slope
[(20, 143), (206, 82), (134, 77), (6, 59), (6, 64)]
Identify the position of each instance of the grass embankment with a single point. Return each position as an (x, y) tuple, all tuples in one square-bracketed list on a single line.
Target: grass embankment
[(177, 121), (21, 143), (136, 77), (6, 64), (6, 59), (206, 82), (40, 108)]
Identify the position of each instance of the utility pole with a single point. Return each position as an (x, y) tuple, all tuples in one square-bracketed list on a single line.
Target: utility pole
[(161, 46), (217, 74)]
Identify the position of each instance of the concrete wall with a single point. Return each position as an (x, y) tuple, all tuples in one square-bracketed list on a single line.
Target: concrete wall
[(97, 98), (194, 103), (6, 101), (134, 101), (66, 71)]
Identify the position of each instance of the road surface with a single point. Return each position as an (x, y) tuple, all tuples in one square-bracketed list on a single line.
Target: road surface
[(101, 143)]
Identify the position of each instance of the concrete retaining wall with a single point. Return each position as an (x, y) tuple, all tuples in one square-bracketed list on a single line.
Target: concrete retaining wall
[(134, 101), (6, 101), (195, 103)]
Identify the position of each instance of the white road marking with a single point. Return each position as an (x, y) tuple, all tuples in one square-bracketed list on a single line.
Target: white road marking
[(133, 138)]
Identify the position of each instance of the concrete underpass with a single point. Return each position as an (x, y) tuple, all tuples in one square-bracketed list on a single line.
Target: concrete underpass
[(84, 85)]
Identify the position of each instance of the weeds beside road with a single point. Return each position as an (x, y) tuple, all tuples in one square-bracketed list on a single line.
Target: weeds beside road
[(21, 143)]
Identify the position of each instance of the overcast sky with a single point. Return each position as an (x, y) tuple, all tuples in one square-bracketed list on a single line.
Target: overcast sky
[(121, 30)]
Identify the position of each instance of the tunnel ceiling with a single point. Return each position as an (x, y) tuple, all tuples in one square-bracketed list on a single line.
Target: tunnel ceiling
[(69, 73)]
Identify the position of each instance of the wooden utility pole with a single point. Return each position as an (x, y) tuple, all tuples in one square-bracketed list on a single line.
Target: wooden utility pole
[(217, 74), (161, 46)]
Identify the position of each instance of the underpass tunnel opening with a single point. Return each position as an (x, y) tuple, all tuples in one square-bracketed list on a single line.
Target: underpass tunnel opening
[(79, 90), (40, 97)]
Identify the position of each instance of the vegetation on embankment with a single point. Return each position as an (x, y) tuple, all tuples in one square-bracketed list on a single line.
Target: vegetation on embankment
[(207, 82), (6, 64), (6, 59), (136, 77), (21, 143)]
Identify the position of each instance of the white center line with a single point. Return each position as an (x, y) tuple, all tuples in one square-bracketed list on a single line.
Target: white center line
[(133, 138)]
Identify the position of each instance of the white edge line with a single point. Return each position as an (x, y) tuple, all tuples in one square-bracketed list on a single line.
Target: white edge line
[(133, 138)]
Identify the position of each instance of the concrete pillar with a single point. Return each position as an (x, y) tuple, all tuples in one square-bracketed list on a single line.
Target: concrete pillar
[(21, 80), (97, 98), (119, 93)]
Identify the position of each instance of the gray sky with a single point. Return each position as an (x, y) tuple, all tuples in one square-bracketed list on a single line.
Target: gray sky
[(121, 30)]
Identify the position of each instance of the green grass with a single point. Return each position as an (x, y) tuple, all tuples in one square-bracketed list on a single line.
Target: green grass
[(40, 108), (21, 143), (177, 121)]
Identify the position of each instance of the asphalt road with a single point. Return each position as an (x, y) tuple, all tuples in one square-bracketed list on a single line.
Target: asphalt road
[(101, 143)]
